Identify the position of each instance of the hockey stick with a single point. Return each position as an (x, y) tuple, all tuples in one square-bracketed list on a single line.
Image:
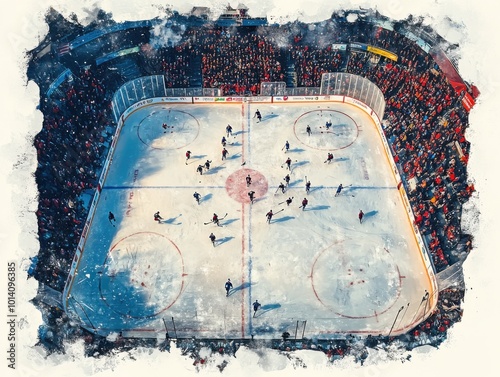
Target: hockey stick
[(281, 210), (210, 222), (244, 162)]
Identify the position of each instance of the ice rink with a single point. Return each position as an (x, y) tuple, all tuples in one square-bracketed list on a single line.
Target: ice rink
[(317, 271)]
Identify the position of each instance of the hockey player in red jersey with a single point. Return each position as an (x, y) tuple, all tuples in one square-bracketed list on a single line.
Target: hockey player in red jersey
[(361, 214), (269, 216), (304, 204)]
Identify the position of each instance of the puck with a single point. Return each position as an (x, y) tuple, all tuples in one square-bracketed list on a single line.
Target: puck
[(199, 181)]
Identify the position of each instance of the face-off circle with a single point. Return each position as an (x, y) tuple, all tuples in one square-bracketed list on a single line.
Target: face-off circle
[(143, 275), (168, 129), (351, 282), (342, 133), (237, 188)]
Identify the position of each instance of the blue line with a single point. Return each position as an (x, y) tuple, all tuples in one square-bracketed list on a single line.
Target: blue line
[(159, 187), (250, 327)]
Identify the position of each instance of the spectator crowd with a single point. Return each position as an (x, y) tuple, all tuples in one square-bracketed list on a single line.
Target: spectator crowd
[(425, 125)]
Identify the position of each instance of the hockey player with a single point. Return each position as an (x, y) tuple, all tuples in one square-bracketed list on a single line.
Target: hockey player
[(249, 180), (258, 115), (215, 219), (251, 196), (329, 158), (224, 153), (308, 187), (256, 306), (287, 179), (207, 164), (197, 197), (286, 146), (360, 216), (308, 130), (288, 162), (339, 189), (188, 156), (304, 204), (223, 141), (212, 238), (228, 286), (281, 187), (199, 169), (229, 130), (157, 217), (269, 216), (328, 124), (164, 126), (289, 201), (111, 218)]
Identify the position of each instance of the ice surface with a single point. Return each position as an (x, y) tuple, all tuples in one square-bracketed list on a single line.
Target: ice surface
[(470, 348), (318, 266)]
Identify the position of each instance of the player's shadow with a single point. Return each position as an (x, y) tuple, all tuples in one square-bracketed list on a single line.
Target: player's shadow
[(267, 308), (223, 240), (315, 188), (259, 199), (293, 183), (301, 163), (171, 220), (298, 165), (296, 150), (370, 214), (316, 208), (282, 219), (269, 116), (234, 156), (206, 198), (214, 170), (229, 221), (245, 285), (193, 159), (235, 144)]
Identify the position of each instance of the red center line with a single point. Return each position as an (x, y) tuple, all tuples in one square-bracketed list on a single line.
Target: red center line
[(242, 226)]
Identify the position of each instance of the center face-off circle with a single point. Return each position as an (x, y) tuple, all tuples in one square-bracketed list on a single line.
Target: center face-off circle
[(343, 132), (356, 280), (143, 275), (236, 185), (168, 129)]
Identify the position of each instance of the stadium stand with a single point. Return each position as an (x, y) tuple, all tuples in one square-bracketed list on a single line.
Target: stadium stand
[(425, 123)]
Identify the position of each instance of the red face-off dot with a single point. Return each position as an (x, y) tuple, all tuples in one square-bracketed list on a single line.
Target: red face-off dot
[(237, 188)]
